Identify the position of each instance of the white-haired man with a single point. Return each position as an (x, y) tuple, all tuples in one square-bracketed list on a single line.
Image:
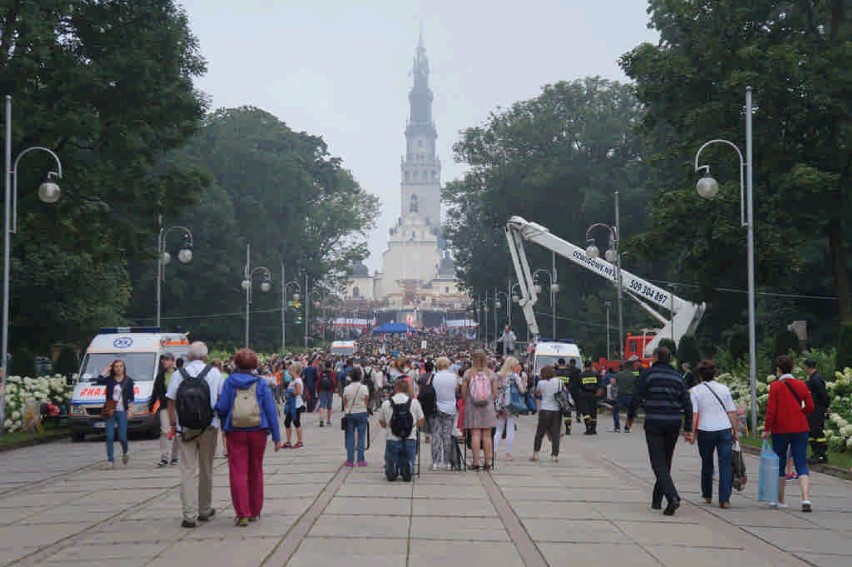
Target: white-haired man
[(198, 445)]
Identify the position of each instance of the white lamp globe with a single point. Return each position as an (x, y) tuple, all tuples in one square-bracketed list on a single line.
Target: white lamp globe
[(498, 305), (537, 288), (49, 192), (166, 257), (610, 255), (185, 256), (707, 187), (296, 297), (265, 286), (555, 288), (245, 284), (592, 251)]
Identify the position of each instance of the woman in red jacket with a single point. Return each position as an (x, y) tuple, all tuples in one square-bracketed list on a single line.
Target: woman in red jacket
[(786, 421)]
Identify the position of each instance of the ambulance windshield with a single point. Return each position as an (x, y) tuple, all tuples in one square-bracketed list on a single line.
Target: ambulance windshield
[(141, 366)]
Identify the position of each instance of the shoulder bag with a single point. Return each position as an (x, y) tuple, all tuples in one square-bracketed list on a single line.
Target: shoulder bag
[(793, 391)]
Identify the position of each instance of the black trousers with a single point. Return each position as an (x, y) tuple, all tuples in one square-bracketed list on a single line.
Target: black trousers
[(588, 407), (661, 445), (816, 422), (548, 421)]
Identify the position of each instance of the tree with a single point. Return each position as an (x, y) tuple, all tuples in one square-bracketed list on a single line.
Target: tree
[(795, 56), (108, 87), (687, 350), (556, 160)]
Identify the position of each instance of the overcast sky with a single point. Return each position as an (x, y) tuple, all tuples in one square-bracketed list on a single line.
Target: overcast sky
[(340, 68)]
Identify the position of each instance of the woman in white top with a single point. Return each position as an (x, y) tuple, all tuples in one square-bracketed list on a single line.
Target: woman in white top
[(355, 399), (715, 420), (509, 373), (294, 405), (443, 422), (549, 416)]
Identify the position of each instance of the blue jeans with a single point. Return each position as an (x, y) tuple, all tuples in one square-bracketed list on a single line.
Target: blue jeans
[(398, 452), (117, 418), (722, 442), (356, 421), (798, 445), (621, 401)]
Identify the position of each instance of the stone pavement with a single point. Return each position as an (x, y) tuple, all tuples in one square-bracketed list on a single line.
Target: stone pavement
[(592, 507)]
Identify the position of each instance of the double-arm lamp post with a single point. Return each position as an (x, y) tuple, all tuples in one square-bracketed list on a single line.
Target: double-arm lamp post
[(708, 188), (163, 258), (285, 288), (553, 290), (613, 257), (248, 277), (48, 192)]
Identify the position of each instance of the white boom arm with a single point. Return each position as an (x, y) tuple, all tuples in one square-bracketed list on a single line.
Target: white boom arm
[(683, 318)]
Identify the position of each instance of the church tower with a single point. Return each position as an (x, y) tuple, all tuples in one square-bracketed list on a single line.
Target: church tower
[(421, 168)]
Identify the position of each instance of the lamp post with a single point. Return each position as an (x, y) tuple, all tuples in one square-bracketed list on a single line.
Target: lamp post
[(48, 192), (316, 296), (248, 277), (285, 285), (607, 306), (163, 258), (708, 187), (553, 290), (497, 306), (612, 256)]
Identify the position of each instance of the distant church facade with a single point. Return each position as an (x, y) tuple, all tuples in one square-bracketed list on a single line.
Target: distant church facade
[(417, 282)]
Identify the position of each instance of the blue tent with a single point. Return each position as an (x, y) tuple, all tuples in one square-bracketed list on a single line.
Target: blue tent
[(393, 329)]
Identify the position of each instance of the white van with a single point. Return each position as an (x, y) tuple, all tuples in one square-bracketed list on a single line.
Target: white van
[(140, 349), (344, 348), (550, 352)]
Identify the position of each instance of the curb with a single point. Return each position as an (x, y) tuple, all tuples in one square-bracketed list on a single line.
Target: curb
[(824, 469), (49, 437)]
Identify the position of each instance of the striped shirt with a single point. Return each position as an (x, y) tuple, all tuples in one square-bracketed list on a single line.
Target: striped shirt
[(663, 395)]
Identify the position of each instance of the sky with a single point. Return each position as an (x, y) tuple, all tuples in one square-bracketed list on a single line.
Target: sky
[(341, 68)]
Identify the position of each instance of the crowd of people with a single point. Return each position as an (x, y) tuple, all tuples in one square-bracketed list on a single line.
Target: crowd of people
[(457, 399)]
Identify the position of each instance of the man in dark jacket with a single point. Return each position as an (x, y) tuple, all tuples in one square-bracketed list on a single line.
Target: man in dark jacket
[(816, 419), (661, 391), (168, 447), (310, 376)]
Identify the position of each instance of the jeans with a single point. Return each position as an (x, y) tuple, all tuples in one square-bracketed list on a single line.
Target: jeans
[(117, 418), (442, 432), (722, 442), (245, 467), (621, 401), (548, 421), (798, 445), (399, 453), (325, 400), (356, 421), (661, 445)]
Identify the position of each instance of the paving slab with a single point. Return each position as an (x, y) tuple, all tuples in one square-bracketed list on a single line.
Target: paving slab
[(372, 552), (597, 554), (465, 529), (431, 553)]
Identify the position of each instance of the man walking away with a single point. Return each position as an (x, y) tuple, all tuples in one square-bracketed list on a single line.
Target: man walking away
[(625, 383), (325, 390), (309, 377), (663, 394), (587, 403), (168, 447), (816, 419), (193, 394)]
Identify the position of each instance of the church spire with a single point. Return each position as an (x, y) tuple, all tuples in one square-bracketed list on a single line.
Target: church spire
[(420, 97)]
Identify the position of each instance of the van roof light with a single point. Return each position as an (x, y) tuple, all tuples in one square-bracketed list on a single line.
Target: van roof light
[(117, 330)]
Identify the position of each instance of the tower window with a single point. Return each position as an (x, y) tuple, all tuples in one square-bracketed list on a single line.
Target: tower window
[(419, 143), (408, 176), (356, 292), (434, 174), (416, 175)]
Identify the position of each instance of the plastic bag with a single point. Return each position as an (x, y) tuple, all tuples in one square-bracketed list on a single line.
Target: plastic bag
[(739, 468), (767, 480)]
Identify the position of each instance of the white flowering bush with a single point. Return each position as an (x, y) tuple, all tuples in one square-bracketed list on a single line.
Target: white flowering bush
[(20, 391)]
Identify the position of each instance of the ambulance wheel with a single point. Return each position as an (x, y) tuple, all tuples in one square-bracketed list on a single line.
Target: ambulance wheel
[(77, 437)]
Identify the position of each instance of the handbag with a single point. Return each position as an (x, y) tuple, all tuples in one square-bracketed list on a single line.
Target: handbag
[(344, 421), (767, 480), (109, 408), (739, 468)]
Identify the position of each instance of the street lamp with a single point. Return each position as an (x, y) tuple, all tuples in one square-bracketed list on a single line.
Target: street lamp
[(285, 287), (318, 299), (708, 188), (498, 305), (553, 289), (248, 277), (48, 192), (613, 257), (163, 258)]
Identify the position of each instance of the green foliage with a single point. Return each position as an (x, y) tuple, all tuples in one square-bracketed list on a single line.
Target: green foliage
[(109, 87), (692, 84), (688, 351), (844, 348), (554, 159), (23, 363), (67, 363), (786, 342)]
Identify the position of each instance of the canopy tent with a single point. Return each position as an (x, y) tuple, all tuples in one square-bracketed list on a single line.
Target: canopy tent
[(393, 329)]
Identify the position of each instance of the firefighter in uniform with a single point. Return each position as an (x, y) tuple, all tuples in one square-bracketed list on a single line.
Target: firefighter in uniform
[(816, 419), (564, 375), (587, 403)]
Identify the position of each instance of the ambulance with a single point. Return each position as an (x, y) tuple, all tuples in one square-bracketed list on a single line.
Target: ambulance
[(344, 348), (140, 349), (550, 352)]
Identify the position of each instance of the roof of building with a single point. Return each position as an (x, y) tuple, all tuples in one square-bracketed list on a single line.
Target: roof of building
[(360, 270), (447, 267)]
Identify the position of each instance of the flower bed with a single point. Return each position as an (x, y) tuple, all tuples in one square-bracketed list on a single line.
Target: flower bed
[(45, 389)]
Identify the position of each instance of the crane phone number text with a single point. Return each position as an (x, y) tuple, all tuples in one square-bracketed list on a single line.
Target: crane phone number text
[(645, 290)]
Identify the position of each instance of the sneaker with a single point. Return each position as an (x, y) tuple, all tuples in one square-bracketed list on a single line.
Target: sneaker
[(175, 460), (627, 430), (163, 463), (656, 505), (449, 466), (322, 424), (241, 522), (616, 430), (109, 466), (708, 500), (253, 518), (405, 472), (362, 463), (806, 506), (791, 477), (206, 517), (671, 508), (287, 446), (348, 464), (554, 459), (298, 445), (125, 458), (434, 466), (781, 505), (188, 524), (725, 505)]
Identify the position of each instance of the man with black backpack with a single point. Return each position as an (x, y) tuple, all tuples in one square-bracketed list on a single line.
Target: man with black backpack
[(426, 396), (325, 389), (401, 415), (193, 393)]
